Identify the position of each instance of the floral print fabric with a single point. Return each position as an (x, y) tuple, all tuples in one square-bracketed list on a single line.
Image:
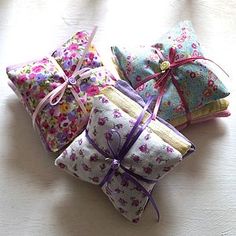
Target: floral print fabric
[(197, 81), (60, 124), (149, 157)]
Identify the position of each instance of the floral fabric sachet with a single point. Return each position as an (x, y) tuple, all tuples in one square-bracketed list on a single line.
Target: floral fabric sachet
[(124, 152), (58, 90), (175, 72)]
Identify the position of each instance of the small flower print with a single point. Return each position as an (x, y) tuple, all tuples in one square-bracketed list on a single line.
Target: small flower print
[(210, 83), (95, 179), (73, 46), (102, 120), (169, 149), (84, 86), (124, 182), (102, 166), (91, 56), (138, 78), (135, 158), (144, 148), (73, 157), (167, 168), (147, 137), (93, 158), (61, 165), (85, 167), (22, 79), (159, 159), (37, 69), (140, 88), (136, 220), (195, 53), (135, 202), (116, 113), (192, 75), (122, 201), (207, 92), (122, 211), (194, 45), (92, 90), (147, 170), (214, 87), (64, 108), (117, 190), (104, 100)]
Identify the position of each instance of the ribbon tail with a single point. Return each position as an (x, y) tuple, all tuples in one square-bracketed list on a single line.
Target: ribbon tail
[(107, 177), (160, 95), (78, 99), (182, 98), (135, 182), (59, 91), (43, 103), (193, 59), (86, 48), (150, 77)]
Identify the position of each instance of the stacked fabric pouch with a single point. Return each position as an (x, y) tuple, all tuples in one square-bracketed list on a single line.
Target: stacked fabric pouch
[(175, 72), (58, 90), (124, 151)]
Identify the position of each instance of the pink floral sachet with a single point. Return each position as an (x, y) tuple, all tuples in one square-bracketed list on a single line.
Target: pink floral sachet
[(58, 99)]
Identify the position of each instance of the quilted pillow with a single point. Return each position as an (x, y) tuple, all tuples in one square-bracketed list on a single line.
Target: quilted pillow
[(62, 116), (190, 91), (96, 155)]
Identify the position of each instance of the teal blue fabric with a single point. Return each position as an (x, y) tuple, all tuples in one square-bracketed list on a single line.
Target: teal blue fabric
[(198, 82)]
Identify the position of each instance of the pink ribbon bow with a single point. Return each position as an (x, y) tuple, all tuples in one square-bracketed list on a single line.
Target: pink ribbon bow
[(55, 96), (167, 67)]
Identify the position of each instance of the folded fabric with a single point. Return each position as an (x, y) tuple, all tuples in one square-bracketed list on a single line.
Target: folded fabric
[(175, 72), (58, 90), (205, 113), (123, 154)]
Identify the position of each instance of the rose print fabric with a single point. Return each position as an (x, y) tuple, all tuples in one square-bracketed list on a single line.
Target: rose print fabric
[(197, 81), (60, 124), (150, 157)]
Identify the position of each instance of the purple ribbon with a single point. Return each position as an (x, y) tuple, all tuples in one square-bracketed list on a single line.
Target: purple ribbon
[(120, 153)]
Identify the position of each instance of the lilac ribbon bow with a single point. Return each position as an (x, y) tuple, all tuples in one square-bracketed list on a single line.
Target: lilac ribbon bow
[(119, 155)]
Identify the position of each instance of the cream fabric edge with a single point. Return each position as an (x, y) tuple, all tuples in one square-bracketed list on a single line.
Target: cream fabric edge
[(207, 110), (134, 109)]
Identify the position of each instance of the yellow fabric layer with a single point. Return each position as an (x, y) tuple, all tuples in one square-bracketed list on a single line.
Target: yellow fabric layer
[(134, 109), (207, 110)]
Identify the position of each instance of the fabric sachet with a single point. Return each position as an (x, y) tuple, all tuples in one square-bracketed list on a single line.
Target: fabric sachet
[(124, 152), (175, 72), (58, 90)]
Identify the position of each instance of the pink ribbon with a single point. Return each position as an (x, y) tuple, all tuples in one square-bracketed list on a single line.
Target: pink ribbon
[(168, 65), (55, 96)]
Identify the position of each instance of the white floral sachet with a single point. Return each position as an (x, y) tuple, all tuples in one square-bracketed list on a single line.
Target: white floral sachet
[(126, 173)]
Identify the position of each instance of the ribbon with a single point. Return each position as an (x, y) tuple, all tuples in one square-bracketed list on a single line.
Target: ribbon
[(119, 154), (55, 96), (167, 72)]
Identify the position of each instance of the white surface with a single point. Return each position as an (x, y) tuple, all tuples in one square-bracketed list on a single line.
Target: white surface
[(36, 198)]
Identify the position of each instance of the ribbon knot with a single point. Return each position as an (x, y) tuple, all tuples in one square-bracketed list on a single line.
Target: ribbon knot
[(165, 65), (72, 81), (115, 164)]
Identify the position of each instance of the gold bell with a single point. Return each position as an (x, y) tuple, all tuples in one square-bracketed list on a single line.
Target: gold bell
[(165, 65)]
